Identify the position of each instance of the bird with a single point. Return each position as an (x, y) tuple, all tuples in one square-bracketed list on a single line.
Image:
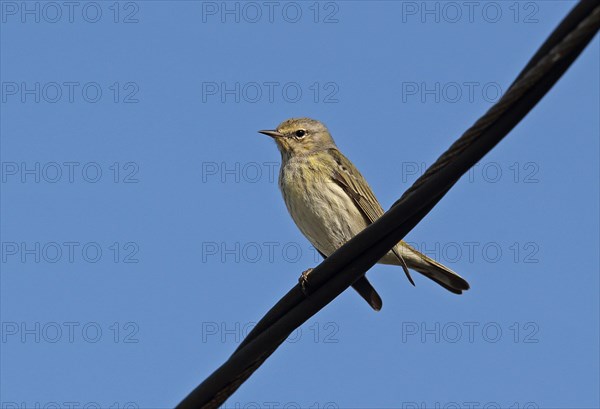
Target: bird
[(331, 202)]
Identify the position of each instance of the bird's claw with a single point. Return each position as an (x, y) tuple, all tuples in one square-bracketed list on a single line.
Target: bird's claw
[(303, 280)]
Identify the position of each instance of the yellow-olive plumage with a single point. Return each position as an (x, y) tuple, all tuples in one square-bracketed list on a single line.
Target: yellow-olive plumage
[(331, 202)]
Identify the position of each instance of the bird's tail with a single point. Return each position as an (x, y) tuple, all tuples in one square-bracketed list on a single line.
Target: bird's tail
[(433, 270)]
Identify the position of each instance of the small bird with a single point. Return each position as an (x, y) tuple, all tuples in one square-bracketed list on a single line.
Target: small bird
[(331, 202)]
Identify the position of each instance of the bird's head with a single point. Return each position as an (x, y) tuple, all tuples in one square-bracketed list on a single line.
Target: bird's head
[(301, 136)]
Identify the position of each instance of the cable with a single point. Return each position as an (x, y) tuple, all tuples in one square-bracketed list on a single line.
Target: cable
[(336, 273)]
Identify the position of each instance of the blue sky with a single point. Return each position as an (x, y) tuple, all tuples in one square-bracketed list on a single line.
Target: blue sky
[(143, 232)]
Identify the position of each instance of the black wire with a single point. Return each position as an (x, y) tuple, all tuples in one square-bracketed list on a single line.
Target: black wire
[(336, 273), (568, 24)]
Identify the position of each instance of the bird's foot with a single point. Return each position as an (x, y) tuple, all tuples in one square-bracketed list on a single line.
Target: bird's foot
[(304, 280)]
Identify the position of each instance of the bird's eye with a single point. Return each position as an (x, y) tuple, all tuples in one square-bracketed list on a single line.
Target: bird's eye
[(300, 133)]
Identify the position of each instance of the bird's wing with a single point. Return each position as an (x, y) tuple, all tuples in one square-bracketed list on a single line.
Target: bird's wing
[(366, 290), (354, 184)]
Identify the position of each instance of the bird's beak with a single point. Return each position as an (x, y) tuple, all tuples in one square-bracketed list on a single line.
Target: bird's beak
[(272, 134)]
